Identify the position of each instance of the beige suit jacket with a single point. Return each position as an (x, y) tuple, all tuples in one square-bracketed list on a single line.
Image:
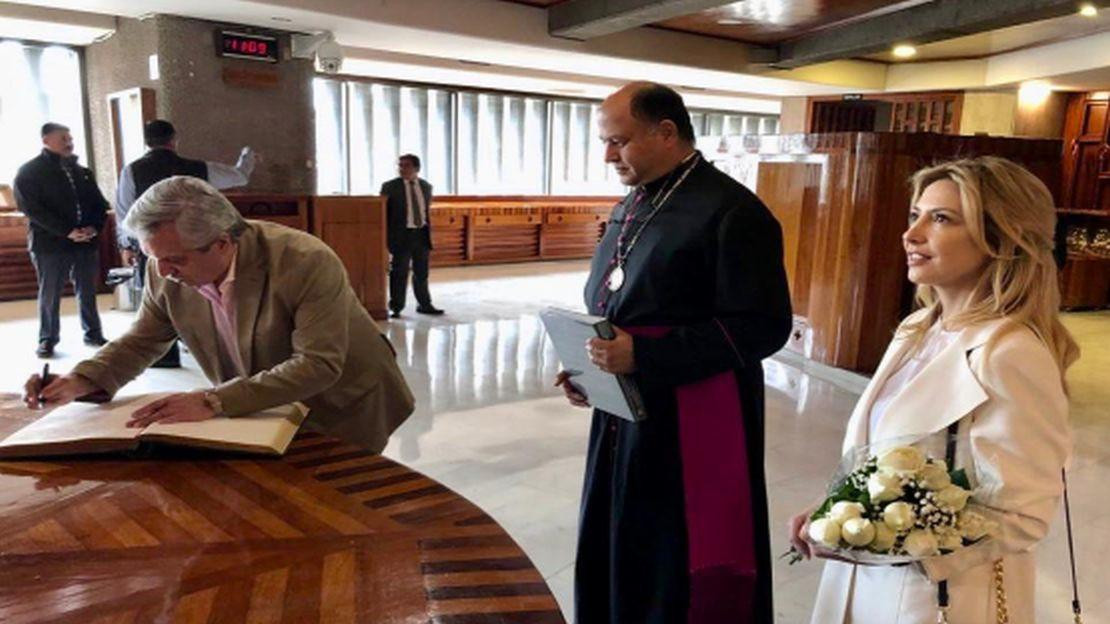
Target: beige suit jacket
[(303, 336), (1000, 382)]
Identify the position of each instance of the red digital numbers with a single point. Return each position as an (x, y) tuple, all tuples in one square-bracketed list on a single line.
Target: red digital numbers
[(248, 47)]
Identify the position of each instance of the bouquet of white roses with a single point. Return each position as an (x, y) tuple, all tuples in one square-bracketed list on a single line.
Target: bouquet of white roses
[(897, 506)]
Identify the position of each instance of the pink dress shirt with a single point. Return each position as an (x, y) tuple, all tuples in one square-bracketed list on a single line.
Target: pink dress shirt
[(222, 300)]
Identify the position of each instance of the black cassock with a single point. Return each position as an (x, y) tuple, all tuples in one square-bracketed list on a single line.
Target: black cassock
[(708, 265)]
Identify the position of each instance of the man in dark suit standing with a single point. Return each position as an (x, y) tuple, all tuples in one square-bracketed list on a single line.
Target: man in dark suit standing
[(66, 212), (409, 236)]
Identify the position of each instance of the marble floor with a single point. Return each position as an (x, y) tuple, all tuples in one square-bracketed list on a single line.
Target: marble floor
[(490, 426)]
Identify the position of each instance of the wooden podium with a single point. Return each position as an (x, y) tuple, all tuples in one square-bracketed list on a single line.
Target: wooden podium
[(354, 226)]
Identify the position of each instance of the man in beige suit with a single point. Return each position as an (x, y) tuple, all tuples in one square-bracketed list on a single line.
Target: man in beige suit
[(266, 310)]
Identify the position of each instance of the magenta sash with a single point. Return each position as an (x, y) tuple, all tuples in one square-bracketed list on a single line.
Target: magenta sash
[(719, 512)]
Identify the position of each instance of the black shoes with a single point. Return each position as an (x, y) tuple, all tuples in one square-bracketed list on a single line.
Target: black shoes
[(432, 310), (46, 348)]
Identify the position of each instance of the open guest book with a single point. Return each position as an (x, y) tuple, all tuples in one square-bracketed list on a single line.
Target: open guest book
[(569, 331), (101, 428)]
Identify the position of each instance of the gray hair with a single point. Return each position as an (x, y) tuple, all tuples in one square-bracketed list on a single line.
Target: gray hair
[(200, 212)]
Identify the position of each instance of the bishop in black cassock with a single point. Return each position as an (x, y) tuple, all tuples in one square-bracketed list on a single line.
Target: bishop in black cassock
[(673, 525)]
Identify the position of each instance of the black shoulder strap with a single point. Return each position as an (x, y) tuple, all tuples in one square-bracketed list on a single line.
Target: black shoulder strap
[(950, 461)]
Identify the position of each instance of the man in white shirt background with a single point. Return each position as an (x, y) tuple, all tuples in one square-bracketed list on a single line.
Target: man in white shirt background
[(160, 162), (409, 236)]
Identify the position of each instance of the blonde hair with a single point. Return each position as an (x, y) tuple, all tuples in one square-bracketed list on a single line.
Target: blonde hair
[(1012, 219)]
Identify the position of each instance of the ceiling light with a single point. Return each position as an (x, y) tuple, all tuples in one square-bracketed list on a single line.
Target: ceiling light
[(1034, 92), (731, 21), (1088, 10), (904, 51)]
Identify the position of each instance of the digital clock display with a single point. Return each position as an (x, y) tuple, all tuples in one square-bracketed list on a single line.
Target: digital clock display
[(248, 46)]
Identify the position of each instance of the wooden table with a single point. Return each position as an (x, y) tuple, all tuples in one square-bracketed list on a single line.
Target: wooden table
[(329, 533)]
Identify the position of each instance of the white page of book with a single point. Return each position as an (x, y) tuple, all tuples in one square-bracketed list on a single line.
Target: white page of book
[(83, 421), (272, 428)]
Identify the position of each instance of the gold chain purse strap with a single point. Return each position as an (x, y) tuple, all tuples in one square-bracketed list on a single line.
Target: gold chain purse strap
[(1002, 610), (1003, 614), (1000, 593)]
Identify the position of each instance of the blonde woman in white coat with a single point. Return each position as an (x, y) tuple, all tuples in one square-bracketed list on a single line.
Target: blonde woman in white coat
[(988, 352)]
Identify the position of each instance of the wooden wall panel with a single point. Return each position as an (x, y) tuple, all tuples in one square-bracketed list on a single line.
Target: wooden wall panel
[(355, 228), (790, 190)]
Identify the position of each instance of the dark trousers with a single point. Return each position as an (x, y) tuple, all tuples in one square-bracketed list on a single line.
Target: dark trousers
[(412, 250), (81, 266)]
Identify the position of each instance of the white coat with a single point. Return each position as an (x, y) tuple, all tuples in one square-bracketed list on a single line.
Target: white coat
[(1003, 385)]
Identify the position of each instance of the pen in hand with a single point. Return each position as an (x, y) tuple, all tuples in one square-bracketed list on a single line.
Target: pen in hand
[(42, 383)]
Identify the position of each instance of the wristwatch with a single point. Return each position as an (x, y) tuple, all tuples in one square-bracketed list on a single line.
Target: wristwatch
[(213, 401)]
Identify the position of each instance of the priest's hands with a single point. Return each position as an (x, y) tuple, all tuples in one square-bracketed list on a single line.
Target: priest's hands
[(180, 407), (575, 397), (57, 391), (614, 356)]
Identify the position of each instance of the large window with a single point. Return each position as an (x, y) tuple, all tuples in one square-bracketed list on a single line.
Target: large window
[(502, 144), (473, 143), (37, 84)]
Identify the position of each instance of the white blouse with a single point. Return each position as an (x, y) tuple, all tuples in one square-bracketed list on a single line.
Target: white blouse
[(936, 339)]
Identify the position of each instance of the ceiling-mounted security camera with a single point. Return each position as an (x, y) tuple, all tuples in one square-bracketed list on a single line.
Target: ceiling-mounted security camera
[(329, 57), (323, 47)]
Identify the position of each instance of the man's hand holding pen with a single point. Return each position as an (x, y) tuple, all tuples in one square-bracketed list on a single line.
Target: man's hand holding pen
[(42, 389)]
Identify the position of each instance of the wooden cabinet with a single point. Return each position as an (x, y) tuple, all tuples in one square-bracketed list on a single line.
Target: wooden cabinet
[(484, 230), (1085, 200), (1087, 155), (289, 210), (936, 111), (18, 279)]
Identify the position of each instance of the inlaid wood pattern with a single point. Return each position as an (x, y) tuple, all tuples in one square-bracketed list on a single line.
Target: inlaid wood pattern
[(329, 533)]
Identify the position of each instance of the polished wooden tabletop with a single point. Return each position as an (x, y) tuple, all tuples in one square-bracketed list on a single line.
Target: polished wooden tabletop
[(330, 533)]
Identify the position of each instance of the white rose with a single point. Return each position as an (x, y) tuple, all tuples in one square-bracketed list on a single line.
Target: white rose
[(883, 486), (953, 498), (921, 543), (858, 531), (949, 539), (899, 516), (825, 532), (844, 511), (884, 538), (902, 460), (934, 476), (973, 525)]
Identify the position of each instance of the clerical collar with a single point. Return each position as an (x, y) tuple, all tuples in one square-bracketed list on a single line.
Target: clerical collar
[(652, 188)]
